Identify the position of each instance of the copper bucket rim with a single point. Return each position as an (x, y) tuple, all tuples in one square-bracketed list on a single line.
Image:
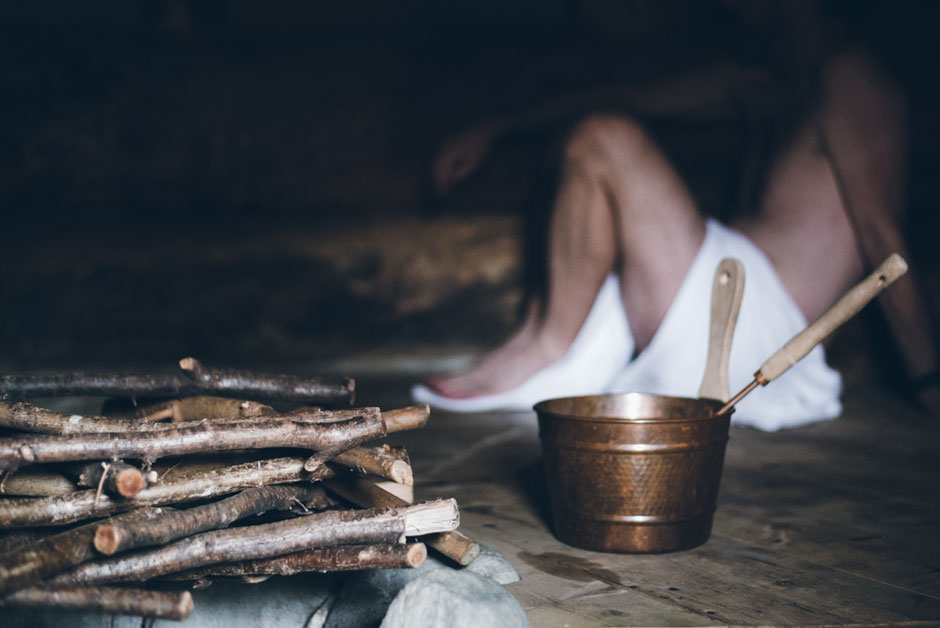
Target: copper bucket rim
[(544, 408)]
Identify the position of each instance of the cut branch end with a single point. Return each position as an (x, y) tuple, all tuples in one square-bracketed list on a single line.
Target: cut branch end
[(417, 552), (107, 539), (440, 515)]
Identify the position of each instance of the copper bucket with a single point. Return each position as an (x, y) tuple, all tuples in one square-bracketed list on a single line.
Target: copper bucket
[(633, 472), (640, 473), (637, 472)]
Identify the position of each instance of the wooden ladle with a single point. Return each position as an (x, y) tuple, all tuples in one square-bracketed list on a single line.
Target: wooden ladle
[(727, 292), (844, 309)]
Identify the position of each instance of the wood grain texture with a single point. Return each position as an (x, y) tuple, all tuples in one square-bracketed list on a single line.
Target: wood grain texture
[(727, 292), (832, 524)]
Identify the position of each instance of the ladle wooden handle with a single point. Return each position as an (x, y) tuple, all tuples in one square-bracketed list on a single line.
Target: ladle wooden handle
[(844, 309), (727, 292)]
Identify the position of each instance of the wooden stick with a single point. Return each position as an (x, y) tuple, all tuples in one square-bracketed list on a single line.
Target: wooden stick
[(408, 418), (343, 558), (187, 413), (29, 418), (114, 537), (397, 420), (193, 379), (200, 407), (269, 386), (111, 600), (118, 479), (319, 530), (37, 483), (46, 556), (452, 544), (12, 540), (387, 462), (206, 485), (455, 545), (258, 433)]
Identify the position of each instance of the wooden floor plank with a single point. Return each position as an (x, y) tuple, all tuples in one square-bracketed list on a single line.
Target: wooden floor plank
[(835, 524), (885, 540), (725, 580)]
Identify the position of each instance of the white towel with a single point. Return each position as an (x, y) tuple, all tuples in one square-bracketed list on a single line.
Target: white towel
[(674, 361)]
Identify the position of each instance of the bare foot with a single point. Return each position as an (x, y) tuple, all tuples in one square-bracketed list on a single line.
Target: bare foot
[(528, 350)]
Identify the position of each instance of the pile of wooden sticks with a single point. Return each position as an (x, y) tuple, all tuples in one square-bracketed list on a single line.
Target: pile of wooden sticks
[(213, 483)]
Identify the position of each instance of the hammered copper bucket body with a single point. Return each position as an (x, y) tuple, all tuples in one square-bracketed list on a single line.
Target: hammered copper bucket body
[(632, 472)]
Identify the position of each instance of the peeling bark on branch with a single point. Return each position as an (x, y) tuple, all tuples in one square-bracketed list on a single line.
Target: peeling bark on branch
[(110, 600), (326, 529), (119, 536), (194, 379), (453, 544), (204, 437)]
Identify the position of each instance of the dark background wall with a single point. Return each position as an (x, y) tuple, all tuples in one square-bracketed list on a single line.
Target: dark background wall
[(247, 181)]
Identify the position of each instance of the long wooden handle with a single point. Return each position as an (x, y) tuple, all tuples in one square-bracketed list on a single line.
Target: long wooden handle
[(727, 292), (844, 309)]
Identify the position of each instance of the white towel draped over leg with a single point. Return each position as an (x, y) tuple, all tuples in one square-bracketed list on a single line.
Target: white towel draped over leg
[(673, 362), (599, 358)]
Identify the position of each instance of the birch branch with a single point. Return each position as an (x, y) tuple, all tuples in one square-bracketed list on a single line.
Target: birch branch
[(117, 479), (453, 544), (30, 418), (13, 540), (391, 463), (110, 600), (200, 407), (119, 536), (342, 558), (205, 437), (37, 483), (206, 485), (407, 418), (193, 379), (325, 529), (46, 556)]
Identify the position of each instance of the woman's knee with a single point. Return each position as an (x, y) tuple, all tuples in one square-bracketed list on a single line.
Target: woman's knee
[(601, 139)]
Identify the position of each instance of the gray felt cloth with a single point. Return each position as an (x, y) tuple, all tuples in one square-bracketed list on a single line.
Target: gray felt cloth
[(367, 595), (357, 599), (446, 598)]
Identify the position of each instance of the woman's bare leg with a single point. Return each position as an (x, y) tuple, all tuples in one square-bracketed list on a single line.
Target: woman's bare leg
[(835, 201), (803, 228), (620, 208), (849, 152)]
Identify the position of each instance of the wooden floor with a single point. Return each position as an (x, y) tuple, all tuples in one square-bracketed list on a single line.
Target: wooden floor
[(832, 524)]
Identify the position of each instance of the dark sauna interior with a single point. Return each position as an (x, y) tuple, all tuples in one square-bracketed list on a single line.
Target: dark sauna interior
[(249, 182)]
